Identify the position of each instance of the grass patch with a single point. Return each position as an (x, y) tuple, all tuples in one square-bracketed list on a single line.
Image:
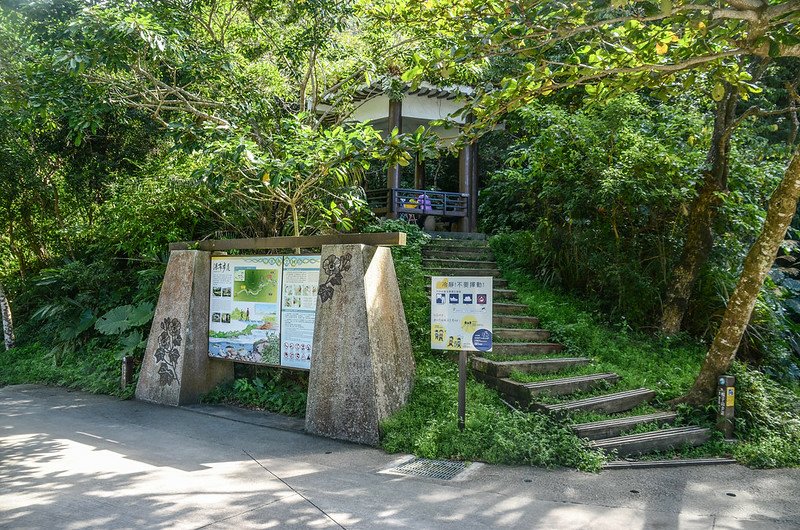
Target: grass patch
[(91, 369), (427, 426)]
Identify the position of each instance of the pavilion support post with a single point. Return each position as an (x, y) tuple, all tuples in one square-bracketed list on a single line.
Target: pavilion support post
[(419, 174), (468, 183), (393, 176)]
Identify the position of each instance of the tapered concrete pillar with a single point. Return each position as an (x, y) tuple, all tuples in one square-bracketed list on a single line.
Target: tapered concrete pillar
[(176, 368), (363, 366)]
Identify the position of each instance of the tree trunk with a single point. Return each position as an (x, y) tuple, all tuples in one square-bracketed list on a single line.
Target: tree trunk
[(759, 260), (702, 213), (8, 325)]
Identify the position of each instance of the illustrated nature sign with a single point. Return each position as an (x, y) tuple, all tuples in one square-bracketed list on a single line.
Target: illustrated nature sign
[(461, 313), (251, 297), (298, 309)]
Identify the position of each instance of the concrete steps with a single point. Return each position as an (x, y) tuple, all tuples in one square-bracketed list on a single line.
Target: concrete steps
[(614, 427), (508, 308), (517, 334), (497, 283), (462, 271), (458, 264), (525, 393), (525, 348), (450, 252), (532, 335), (513, 320), (609, 403), (648, 442), (568, 385), (501, 369)]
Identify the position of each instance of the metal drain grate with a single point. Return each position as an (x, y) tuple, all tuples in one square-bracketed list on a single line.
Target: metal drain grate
[(422, 467)]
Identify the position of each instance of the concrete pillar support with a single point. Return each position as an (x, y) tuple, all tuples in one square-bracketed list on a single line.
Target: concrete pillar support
[(176, 368), (363, 365)]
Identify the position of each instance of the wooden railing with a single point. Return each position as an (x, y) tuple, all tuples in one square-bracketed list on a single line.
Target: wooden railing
[(408, 201)]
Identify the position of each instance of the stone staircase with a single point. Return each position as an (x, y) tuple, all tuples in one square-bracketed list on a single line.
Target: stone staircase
[(521, 347)]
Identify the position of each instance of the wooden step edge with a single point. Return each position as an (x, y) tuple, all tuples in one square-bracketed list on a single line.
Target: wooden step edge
[(565, 360), (522, 329), (637, 393), (648, 436), (518, 319), (633, 420), (523, 344), (473, 262), (610, 376), (456, 252), (456, 272), (683, 462), (582, 429), (504, 368)]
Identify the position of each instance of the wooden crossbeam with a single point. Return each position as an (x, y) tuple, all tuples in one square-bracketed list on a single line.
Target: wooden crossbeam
[(386, 239)]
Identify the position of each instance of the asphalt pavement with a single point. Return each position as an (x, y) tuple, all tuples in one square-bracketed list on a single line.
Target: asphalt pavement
[(71, 460)]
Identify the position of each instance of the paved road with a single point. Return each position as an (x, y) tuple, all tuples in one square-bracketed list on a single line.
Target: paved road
[(74, 460)]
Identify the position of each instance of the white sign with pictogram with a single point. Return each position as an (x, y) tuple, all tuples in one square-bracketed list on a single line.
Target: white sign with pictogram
[(461, 313)]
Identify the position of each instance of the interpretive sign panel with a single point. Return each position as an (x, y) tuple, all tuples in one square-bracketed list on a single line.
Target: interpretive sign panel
[(461, 313), (244, 320), (298, 309)]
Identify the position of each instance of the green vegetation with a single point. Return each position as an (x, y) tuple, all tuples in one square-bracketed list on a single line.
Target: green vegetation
[(271, 389), (642, 184), (98, 373), (768, 414), (428, 425)]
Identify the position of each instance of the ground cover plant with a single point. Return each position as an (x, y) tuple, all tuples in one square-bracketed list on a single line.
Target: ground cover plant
[(768, 413)]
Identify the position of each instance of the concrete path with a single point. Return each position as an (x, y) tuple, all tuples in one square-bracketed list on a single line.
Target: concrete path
[(72, 460)]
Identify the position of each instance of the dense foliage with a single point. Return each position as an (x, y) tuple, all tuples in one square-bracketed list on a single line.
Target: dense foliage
[(642, 147)]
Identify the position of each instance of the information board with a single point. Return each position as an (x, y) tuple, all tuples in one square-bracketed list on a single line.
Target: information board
[(461, 313), (249, 304), (298, 309)]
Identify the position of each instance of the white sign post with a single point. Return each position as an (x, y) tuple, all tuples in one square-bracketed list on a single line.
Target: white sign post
[(461, 319)]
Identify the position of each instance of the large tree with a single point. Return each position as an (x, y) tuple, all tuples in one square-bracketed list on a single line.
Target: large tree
[(664, 47)]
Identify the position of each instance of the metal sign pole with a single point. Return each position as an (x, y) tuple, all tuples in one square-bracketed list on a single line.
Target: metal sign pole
[(462, 388)]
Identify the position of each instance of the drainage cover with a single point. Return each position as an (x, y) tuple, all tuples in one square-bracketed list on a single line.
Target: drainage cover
[(422, 467)]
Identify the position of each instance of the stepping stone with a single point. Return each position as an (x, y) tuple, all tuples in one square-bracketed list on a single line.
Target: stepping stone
[(609, 403), (508, 308), (568, 385), (512, 320), (648, 442), (525, 348), (614, 427), (458, 264), (532, 335), (502, 369)]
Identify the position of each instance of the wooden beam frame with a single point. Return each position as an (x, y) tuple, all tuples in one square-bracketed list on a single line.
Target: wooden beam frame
[(386, 239)]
